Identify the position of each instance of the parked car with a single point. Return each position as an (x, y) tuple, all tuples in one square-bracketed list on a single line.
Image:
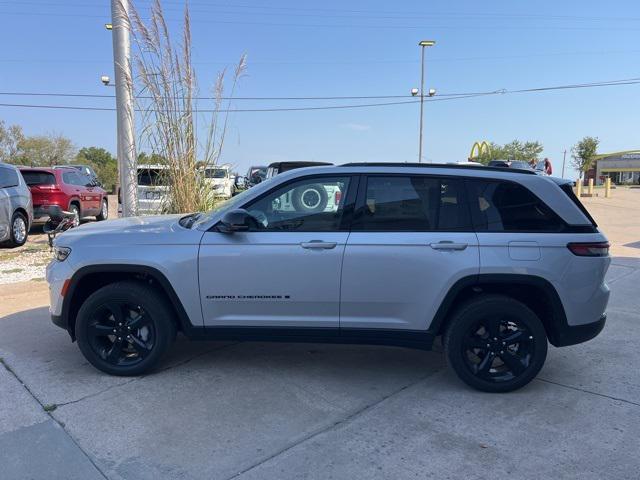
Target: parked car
[(16, 209), (68, 189), (497, 261), (221, 180), (153, 189), (520, 164), (255, 175), (281, 167)]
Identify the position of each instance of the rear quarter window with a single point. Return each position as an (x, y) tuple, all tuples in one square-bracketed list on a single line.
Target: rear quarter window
[(499, 206)]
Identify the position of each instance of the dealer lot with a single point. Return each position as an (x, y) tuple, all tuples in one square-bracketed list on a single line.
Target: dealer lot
[(257, 410)]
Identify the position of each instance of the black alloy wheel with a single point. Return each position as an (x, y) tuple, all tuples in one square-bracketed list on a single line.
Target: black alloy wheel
[(498, 348), (495, 343), (125, 328), (120, 333)]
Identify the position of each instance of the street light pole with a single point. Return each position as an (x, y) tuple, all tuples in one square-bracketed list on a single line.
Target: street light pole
[(121, 28), (423, 44)]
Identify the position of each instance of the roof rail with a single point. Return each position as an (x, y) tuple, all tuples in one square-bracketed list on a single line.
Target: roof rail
[(454, 166)]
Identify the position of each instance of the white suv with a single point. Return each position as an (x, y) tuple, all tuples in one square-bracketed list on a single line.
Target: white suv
[(498, 262)]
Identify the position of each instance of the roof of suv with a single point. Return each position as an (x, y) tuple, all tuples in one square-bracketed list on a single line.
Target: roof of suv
[(435, 165), (47, 169)]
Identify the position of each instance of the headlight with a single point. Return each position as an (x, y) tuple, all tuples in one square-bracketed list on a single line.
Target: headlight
[(61, 253)]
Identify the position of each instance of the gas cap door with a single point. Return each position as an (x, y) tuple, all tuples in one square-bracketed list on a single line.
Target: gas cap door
[(528, 251)]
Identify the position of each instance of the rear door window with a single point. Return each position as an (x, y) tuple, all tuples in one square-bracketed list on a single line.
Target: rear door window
[(413, 203), (8, 177), (498, 206)]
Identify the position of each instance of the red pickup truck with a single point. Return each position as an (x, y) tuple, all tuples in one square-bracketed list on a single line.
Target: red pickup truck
[(67, 188)]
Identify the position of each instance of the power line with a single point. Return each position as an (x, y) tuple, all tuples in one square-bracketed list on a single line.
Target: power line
[(345, 62), (624, 81), (400, 14), (633, 81), (345, 25)]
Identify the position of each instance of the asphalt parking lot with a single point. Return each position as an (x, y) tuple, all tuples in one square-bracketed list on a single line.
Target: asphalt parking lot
[(287, 411)]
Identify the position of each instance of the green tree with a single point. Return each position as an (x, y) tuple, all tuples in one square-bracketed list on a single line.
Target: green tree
[(515, 150), (10, 137), (44, 150), (583, 153), (104, 164)]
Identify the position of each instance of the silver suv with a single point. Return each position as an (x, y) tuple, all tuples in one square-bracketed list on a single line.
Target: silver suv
[(16, 208), (498, 262)]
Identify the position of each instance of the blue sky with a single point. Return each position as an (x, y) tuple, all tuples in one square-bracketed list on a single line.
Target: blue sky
[(352, 48)]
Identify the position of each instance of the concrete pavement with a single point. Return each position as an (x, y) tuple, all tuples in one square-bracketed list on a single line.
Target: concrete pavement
[(286, 411)]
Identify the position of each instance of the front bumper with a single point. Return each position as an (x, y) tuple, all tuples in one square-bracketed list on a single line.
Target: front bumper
[(59, 321), (573, 334)]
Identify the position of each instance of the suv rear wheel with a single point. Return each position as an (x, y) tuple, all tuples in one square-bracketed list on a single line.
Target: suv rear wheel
[(495, 343), (104, 211), (73, 208), (125, 328)]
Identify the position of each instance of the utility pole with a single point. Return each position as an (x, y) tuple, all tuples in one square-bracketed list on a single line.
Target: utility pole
[(564, 158), (127, 169), (423, 44)]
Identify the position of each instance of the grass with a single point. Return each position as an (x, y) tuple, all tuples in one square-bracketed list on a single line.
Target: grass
[(171, 125)]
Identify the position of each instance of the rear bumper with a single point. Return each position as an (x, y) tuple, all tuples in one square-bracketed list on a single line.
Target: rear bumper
[(43, 210), (574, 334)]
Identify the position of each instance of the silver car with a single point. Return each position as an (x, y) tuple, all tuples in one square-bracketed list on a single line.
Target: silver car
[(498, 262), (16, 208)]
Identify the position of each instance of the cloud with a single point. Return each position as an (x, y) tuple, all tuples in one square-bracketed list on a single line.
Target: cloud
[(356, 127)]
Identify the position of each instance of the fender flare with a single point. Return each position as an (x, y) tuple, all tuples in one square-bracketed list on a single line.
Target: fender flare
[(151, 272), (555, 327)]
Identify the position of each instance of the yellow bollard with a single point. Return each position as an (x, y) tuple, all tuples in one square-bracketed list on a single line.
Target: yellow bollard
[(590, 190), (607, 187), (579, 188)]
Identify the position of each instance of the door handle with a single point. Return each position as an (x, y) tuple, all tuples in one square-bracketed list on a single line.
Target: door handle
[(447, 245), (319, 244)]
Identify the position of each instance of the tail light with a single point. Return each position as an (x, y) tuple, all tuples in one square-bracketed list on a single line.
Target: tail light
[(48, 188), (337, 197), (589, 249)]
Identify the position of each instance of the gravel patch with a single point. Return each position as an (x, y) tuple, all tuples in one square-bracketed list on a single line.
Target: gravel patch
[(27, 262)]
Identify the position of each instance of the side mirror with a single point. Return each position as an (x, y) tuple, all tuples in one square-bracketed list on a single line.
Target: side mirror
[(237, 221)]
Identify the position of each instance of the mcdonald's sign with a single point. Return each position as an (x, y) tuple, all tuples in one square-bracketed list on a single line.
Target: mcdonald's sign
[(478, 149)]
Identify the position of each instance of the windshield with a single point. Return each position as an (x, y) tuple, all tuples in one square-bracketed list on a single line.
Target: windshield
[(215, 173)]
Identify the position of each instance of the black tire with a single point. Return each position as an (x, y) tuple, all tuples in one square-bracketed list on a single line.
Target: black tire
[(495, 343), (18, 231), (104, 210), (310, 199), (75, 209), (125, 328)]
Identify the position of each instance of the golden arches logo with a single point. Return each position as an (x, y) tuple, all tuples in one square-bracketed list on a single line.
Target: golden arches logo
[(479, 148)]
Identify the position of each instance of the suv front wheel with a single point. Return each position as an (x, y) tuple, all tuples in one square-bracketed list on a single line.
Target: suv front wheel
[(495, 343), (125, 328)]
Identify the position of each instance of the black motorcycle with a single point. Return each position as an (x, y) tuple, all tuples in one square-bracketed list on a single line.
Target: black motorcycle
[(59, 221)]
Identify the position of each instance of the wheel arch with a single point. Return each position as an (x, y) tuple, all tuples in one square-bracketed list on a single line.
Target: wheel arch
[(535, 292), (89, 279), (25, 214), (76, 201)]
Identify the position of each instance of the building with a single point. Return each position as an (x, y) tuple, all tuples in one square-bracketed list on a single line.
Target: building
[(622, 167)]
